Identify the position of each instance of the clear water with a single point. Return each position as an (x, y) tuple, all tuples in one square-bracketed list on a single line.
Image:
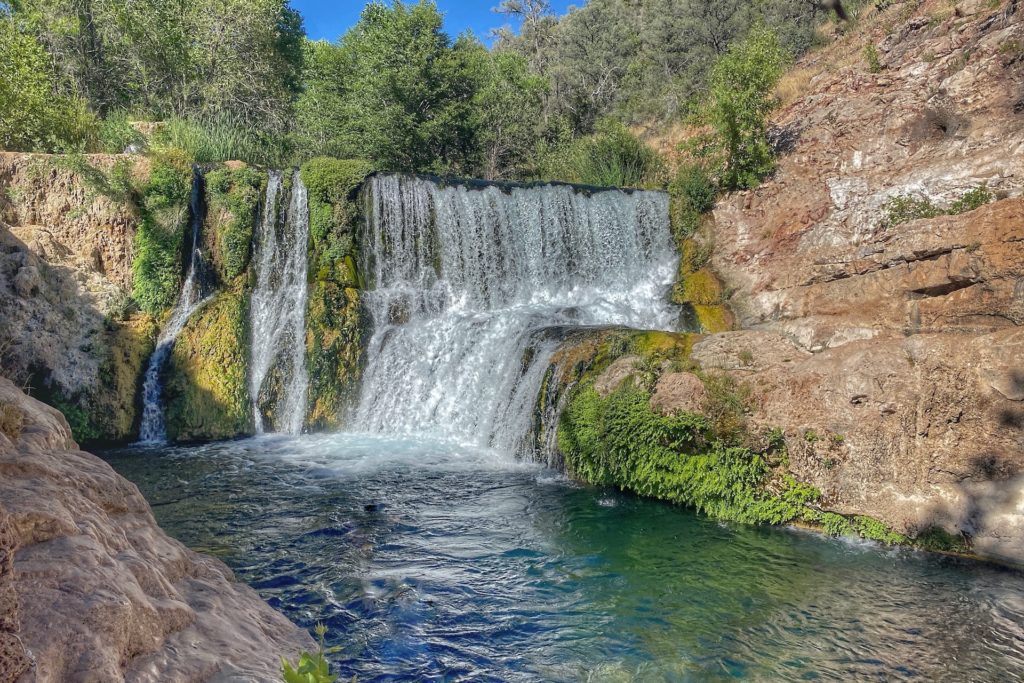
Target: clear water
[(436, 562)]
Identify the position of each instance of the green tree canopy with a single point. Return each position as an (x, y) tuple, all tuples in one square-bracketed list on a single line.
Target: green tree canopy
[(34, 113)]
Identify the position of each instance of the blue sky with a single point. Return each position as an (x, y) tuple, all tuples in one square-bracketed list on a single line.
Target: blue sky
[(328, 19)]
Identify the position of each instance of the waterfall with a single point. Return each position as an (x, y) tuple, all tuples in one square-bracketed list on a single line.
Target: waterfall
[(194, 293), (278, 309), (466, 278)]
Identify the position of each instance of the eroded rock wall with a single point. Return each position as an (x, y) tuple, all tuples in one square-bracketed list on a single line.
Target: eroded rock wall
[(66, 253)]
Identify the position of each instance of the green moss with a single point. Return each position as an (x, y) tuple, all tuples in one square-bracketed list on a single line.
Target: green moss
[(334, 340), (205, 385), (875, 530), (331, 184), (619, 441), (713, 319), (233, 198), (701, 288), (157, 266), (334, 352), (937, 539)]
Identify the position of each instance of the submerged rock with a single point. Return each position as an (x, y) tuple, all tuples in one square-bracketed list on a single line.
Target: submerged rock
[(100, 592)]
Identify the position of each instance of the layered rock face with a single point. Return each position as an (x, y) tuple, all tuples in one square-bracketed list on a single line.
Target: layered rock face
[(892, 353), (96, 591)]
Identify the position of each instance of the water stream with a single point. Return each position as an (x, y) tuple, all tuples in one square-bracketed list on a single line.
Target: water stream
[(435, 562)]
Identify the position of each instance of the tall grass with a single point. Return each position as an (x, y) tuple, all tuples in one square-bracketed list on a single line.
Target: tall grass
[(208, 141), (611, 157)]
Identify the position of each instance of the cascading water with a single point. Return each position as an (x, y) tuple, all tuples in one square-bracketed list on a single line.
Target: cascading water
[(278, 308), (466, 277), (194, 293)]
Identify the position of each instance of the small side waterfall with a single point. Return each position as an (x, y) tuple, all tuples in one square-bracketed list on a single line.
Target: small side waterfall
[(278, 308), (464, 280), (194, 293)]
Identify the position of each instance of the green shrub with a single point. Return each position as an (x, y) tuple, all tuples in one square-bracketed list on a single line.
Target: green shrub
[(611, 157), (312, 667), (236, 192), (871, 57), (156, 269), (620, 441), (34, 116), (117, 134), (692, 194), (330, 184), (906, 208), (971, 200), (741, 100), (874, 530)]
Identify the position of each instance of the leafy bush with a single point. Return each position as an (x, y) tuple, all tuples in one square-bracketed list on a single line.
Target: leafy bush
[(620, 441), (971, 200), (330, 184), (212, 140), (612, 157), (312, 667), (740, 102), (692, 194), (237, 192), (871, 57), (34, 116), (906, 208)]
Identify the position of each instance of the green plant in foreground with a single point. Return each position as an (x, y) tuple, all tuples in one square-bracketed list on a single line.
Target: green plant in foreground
[(871, 56), (312, 668)]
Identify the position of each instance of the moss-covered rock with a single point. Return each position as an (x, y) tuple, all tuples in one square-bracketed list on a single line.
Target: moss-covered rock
[(205, 388), (233, 199), (705, 457), (334, 325)]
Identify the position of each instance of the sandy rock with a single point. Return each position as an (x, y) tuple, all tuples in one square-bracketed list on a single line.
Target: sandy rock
[(103, 594), (678, 392)]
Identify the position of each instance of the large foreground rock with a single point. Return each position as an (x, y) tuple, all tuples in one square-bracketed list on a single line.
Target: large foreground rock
[(96, 592)]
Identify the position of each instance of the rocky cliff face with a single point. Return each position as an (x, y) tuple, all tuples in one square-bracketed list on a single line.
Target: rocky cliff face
[(66, 252), (92, 590), (884, 337), (892, 352)]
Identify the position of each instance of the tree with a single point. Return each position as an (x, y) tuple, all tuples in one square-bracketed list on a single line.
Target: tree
[(507, 107), (34, 115), (233, 59), (739, 105)]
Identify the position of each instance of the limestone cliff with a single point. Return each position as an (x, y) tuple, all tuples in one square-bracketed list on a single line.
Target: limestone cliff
[(92, 590)]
